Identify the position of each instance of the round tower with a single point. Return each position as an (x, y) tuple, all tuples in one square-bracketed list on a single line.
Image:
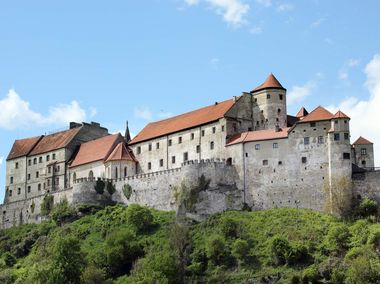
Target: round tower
[(269, 105)]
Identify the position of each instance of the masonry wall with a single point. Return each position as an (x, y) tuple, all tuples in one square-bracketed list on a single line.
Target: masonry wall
[(366, 184)]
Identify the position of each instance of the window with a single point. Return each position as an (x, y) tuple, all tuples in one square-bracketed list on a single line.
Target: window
[(19, 190), (275, 145), (39, 187), (320, 139), (279, 111), (179, 140), (125, 171), (53, 156), (29, 162), (34, 161), (192, 136), (306, 140), (170, 142), (150, 147), (40, 159), (336, 137), (279, 163), (346, 156), (363, 151), (313, 124), (281, 97), (304, 160), (363, 163), (149, 166), (90, 174), (222, 128), (173, 159), (198, 149), (336, 122), (212, 145), (138, 150), (203, 133), (161, 162), (157, 145), (47, 158), (257, 147), (37, 174), (57, 169), (265, 162), (11, 180), (346, 136), (74, 177), (10, 193), (229, 162), (185, 156), (29, 189), (268, 96), (28, 176), (213, 129), (49, 170), (57, 179), (16, 165)]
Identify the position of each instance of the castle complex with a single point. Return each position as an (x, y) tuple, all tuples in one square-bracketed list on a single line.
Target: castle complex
[(251, 152)]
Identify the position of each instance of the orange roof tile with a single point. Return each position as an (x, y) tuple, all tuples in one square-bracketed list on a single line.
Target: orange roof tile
[(96, 150), (318, 114), (270, 83), (121, 153), (259, 135), (184, 121), (340, 114), (302, 112), (55, 141), (22, 147), (362, 141)]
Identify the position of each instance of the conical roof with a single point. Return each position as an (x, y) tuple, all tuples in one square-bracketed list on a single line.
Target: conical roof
[(340, 114), (302, 112), (270, 83), (121, 153)]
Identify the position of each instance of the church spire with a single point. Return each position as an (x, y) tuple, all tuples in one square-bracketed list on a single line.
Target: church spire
[(127, 135)]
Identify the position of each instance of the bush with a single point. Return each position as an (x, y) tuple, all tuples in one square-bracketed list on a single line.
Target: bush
[(9, 259), (310, 275), (63, 212), (298, 254), (127, 190), (363, 270), (99, 186), (216, 249), (229, 227), (374, 239), (93, 275), (359, 232), (337, 239), (139, 217), (110, 188), (47, 205), (367, 207), (280, 249), (240, 250)]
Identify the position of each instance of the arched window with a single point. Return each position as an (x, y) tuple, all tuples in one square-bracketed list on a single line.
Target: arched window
[(229, 161), (116, 173), (91, 175), (125, 171), (74, 177)]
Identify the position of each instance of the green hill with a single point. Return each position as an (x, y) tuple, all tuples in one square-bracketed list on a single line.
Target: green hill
[(140, 245)]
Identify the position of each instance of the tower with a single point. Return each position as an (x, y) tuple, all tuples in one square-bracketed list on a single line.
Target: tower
[(269, 105), (363, 153), (127, 135)]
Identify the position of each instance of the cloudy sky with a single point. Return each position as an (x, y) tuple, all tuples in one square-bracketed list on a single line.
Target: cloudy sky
[(112, 61)]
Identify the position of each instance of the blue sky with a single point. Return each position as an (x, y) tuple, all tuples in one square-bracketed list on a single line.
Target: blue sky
[(112, 61)]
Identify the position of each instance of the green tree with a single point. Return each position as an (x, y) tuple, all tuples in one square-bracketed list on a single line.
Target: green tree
[(240, 250), (280, 249), (367, 207), (62, 212), (93, 275), (47, 204), (139, 217), (216, 249)]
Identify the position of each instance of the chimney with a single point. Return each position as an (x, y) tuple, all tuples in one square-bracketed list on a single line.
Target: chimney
[(74, 125), (234, 99)]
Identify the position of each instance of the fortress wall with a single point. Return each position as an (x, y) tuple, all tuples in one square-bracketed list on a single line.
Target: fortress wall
[(366, 184)]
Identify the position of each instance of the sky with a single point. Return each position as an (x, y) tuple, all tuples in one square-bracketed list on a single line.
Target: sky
[(112, 61)]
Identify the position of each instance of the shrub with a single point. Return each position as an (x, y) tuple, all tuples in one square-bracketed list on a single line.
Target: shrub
[(298, 254), (9, 259), (216, 249), (295, 279), (127, 190), (337, 239), (374, 239), (359, 232), (337, 276), (139, 217), (367, 207), (310, 275), (229, 227), (363, 270), (110, 188), (99, 186), (280, 249), (240, 250), (47, 205), (93, 275), (63, 212)]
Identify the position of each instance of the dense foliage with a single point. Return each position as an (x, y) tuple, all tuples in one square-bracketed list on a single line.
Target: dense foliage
[(135, 244)]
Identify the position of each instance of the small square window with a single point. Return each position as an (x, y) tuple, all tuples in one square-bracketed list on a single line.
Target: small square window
[(157, 145), (346, 136), (213, 129), (173, 159), (363, 151), (336, 122), (203, 133), (257, 147), (198, 149), (268, 96), (161, 162), (275, 145), (304, 160), (265, 162), (149, 166), (150, 147), (313, 124), (306, 140), (138, 150), (336, 137), (320, 139), (179, 140), (281, 97), (192, 136), (170, 142), (279, 163), (346, 156)]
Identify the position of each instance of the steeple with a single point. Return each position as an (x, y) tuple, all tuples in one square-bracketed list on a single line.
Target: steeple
[(127, 135), (270, 83)]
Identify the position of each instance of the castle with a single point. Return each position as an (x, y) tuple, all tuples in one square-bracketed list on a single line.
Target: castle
[(251, 152)]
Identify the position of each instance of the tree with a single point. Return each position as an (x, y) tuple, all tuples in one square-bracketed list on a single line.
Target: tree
[(240, 250), (367, 207), (216, 249), (280, 249), (62, 212), (47, 204), (139, 217), (179, 242)]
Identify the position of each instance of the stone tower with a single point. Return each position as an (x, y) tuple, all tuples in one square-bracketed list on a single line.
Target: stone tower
[(269, 105), (363, 153), (340, 164)]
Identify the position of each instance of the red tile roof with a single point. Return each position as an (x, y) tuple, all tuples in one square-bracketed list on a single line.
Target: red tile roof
[(96, 150), (184, 121), (319, 114), (270, 83), (55, 141), (121, 153), (340, 114), (22, 147), (362, 141), (302, 112), (258, 135)]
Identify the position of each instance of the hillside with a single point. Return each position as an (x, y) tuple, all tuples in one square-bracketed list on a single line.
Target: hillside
[(139, 245)]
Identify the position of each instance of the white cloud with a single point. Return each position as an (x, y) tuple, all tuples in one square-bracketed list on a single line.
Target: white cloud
[(265, 3), (364, 113), (299, 93), (343, 73), (164, 114), (143, 112), (16, 112), (317, 23), (256, 30), (233, 11), (285, 7), (1, 160)]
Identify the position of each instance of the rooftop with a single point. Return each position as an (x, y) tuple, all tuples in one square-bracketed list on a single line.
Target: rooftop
[(259, 135), (318, 114), (362, 141), (121, 153), (270, 83), (23, 147)]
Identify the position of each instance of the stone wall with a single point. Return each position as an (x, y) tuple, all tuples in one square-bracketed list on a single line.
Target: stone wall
[(366, 184)]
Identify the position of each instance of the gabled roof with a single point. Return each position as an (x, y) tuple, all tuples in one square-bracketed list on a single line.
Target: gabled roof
[(96, 150), (302, 112), (184, 121), (22, 147), (362, 141), (121, 153), (259, 135), (340, 114), (271, 82), (55, 141), (319, 114)]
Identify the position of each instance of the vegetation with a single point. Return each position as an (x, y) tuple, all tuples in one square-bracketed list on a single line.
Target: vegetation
[(47, 204), (134, 244), (99, 186), (127, 191)]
